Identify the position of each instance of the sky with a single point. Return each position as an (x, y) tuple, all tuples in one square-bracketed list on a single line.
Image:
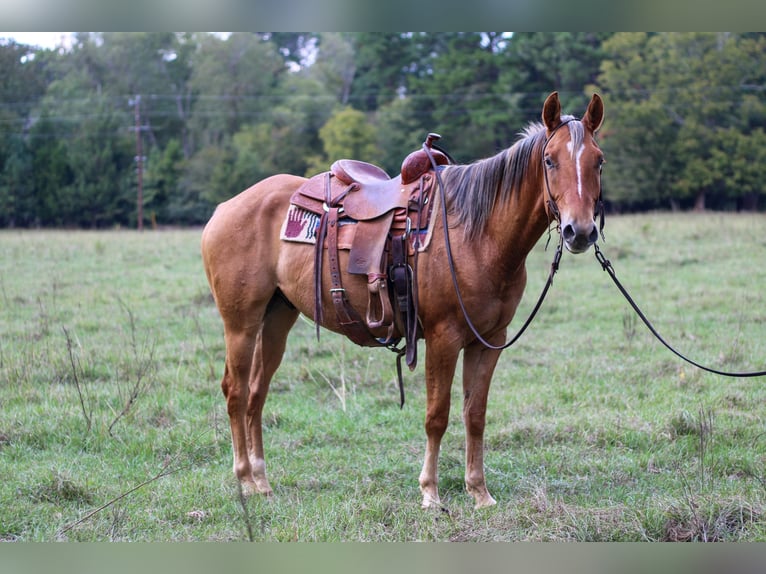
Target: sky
[(41, 39)]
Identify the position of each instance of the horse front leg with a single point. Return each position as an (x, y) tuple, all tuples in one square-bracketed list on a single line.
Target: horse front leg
[(478, 366), (441, 360)]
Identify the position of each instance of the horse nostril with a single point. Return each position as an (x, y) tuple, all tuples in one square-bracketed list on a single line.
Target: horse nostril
[(568, 233), (593, 237)]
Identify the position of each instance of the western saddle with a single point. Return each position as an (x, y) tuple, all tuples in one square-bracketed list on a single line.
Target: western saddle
[(383, 220)]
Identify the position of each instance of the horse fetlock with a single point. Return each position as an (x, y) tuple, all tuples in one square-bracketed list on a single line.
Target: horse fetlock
[(485, 502), (263, 487), (247, 487), (476, 486), (242, 469)]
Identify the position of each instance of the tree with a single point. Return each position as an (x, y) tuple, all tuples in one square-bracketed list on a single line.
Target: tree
[(334, 67), (739, 161), (234, 81), (295, 47), (466, 94), (382, 62), (638, 137), (347, 134), (52, 173), (674, 99), (101, 158), (23, 83), (161, 180), (17, 202), (203, 184), (543, 62), (398, 132)]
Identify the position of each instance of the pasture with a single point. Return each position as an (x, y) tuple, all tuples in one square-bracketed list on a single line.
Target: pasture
[(113, 426)]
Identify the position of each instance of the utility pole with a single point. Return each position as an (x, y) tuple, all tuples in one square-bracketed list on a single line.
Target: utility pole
[(139, 160)]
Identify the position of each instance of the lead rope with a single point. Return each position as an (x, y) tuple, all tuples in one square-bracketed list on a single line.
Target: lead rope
[(606, 265)]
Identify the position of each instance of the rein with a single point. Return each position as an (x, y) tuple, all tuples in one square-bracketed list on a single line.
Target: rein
[(451, 261), (603, 261), (606, 265)]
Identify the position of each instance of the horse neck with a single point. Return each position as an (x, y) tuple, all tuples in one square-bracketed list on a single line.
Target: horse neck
[(517, 224)]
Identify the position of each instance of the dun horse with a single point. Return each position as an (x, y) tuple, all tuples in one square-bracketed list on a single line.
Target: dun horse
[(498, 208)]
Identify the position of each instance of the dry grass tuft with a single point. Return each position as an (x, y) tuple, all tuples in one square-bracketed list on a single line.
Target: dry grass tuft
[(710, 522)]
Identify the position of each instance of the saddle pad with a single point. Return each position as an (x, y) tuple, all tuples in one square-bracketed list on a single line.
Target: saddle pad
[(301, 226)]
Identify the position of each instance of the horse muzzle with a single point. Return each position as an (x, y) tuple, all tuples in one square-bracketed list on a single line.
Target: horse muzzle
[(578, 237)]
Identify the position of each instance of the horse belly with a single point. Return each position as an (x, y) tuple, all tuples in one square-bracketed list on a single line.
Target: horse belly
[(296, 280)]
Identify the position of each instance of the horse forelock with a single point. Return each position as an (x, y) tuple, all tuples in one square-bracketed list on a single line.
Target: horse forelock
[(576, 133)]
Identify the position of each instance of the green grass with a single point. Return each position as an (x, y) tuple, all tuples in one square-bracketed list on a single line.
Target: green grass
[(111, 352)]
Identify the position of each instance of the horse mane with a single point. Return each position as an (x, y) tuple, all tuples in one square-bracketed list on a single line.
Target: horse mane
[(473, 189)]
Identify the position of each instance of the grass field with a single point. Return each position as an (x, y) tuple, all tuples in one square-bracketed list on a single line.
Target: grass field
[(113, 426)]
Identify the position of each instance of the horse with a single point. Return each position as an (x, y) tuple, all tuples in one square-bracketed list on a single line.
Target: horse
[(498, 208)]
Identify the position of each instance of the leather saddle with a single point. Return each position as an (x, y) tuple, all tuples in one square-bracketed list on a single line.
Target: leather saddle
[(387, 216)]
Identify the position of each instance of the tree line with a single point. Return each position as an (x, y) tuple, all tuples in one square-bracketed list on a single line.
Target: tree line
[(191, 119)]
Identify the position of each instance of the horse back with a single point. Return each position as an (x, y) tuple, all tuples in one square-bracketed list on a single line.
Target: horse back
[(265, 199)]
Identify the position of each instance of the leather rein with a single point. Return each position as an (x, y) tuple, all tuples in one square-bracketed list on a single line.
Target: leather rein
[(606, 265), (552, 210)]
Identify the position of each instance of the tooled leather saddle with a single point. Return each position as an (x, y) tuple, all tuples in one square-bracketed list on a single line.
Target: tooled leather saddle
[(381, 220)]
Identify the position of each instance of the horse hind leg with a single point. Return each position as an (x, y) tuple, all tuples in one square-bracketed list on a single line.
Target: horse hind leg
[(269, 349), (239, 353)]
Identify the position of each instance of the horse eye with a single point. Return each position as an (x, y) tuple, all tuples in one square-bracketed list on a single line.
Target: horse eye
[(548, 161)]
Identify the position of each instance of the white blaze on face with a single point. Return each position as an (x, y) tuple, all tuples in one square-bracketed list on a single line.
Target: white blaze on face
[(578, 167)]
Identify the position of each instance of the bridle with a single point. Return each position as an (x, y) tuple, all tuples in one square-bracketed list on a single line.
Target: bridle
[(553, 209)]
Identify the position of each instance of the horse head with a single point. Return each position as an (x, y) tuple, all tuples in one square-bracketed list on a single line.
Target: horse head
[(572, 163)]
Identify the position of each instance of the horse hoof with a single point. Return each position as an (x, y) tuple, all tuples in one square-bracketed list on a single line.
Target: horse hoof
[(485, 502), (430, 502), (248, 488)]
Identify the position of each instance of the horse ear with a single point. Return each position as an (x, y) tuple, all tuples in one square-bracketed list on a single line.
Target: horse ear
[(552, 111), (594, 115)]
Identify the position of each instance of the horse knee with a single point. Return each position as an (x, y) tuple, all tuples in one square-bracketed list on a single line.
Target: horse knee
[(474, 425), (234, 398), (256, 400), (436, 425)]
